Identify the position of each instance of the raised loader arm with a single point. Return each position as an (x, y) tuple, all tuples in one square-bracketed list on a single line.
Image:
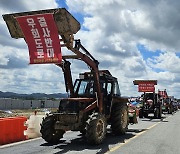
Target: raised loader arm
[(67, 25), (90, 61)]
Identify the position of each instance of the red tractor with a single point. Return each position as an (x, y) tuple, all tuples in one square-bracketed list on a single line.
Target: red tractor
[(167, 105), (133, 113), (94, 101), (151, 103)]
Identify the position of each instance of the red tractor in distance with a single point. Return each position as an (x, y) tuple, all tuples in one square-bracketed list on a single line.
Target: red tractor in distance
[(151, 103), (167, 104)]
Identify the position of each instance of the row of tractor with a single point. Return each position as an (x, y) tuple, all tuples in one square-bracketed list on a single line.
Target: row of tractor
[(153, 104), (169, 103), (94, 100)]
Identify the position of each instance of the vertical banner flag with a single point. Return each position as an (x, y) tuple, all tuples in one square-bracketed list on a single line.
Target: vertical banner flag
[(146, 87), (41, 36)]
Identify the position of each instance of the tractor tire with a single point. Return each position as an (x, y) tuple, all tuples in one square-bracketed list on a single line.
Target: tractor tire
[(83, 131), (96, 129), (170, 109), (140, 113), (160, 113), (131, 120), (156, 113), (49, 134), (119, 119), (135, 119), (146, 115)]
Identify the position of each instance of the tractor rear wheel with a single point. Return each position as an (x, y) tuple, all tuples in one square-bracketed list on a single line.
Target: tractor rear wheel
[(170, 109), (83, 131), (160, 113), (135, 119), (96, 128), (49, 134), (145, 115), (156, 113), (140, 113), (119, 118)]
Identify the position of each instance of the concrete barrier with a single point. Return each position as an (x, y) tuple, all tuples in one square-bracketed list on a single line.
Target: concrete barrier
[(33, 126)]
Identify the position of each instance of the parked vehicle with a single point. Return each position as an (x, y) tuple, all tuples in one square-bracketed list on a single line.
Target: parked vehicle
[(151, 104), (167, 105), (133, 113)]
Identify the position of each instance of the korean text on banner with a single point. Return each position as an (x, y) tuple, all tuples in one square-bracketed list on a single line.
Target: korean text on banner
[(146, 87), (42, 38)]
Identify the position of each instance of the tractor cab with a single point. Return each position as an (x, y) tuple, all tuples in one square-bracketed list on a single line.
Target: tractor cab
[(85, 85), (85, 90)]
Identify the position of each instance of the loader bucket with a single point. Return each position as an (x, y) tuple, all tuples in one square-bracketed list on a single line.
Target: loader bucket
[(66, 23)]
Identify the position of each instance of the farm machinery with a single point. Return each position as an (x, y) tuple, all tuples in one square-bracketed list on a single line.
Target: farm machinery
[(94, 98), (167, 103), (151, 102), (132, 113)]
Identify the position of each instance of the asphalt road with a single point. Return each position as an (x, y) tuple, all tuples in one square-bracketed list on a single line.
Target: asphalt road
[(151, 136)]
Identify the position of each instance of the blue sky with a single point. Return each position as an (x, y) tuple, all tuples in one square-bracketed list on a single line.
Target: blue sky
[(78, 16), (62, 3), (178, 54), (143, 50), (147, 53)]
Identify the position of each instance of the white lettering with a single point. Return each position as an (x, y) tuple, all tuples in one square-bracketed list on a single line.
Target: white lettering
[(42, 21), (50, 52)]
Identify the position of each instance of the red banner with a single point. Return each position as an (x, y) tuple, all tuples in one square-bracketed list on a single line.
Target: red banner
[(41, 35), (146, 87)]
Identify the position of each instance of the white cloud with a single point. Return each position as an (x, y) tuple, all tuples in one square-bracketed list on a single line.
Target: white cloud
[(115, 27), (15, 73), (167, 61)]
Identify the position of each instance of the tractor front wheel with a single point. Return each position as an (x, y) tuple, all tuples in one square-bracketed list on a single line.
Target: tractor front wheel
[(96, 128), (145, 115), (160, 113), (140, 113), (156, 113), (49, 134), (119, 118)]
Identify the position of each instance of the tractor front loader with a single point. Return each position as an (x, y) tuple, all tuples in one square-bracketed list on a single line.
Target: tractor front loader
[(94, 101)]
